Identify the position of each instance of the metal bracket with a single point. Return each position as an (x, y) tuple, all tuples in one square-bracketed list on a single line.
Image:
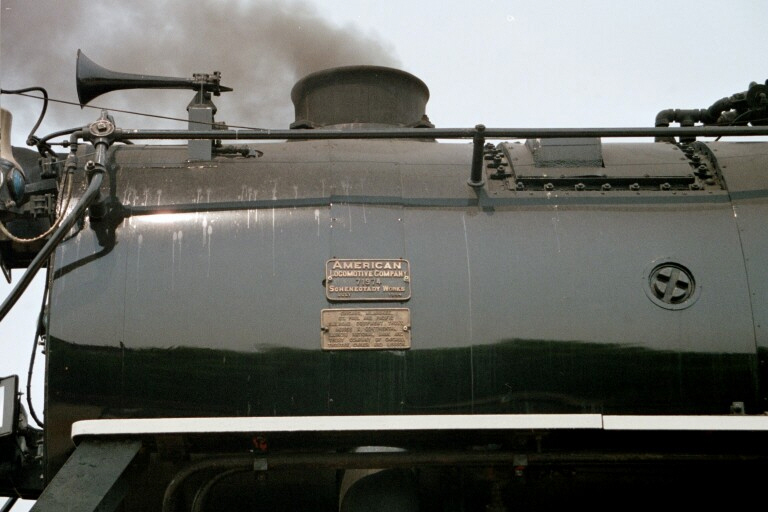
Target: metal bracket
[(92, 479), (478, 144), (201, 111)]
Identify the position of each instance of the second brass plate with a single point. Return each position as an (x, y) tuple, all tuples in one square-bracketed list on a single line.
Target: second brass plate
[(366, 329)]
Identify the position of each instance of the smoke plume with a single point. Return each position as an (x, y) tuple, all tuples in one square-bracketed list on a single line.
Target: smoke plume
[(260, 47)]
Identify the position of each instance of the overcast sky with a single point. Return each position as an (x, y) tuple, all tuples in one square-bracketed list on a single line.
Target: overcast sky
[(498, 62)]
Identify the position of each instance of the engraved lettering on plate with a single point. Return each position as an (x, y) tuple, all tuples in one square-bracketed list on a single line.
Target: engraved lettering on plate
[(368, 280), (366, 329)]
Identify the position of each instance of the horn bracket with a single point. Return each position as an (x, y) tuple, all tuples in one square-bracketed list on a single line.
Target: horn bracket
[(210, 82)]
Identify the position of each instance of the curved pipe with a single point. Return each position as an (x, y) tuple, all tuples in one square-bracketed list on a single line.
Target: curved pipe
[(717, 108), (664, 118), (91, 193), (202, 495), (251, 462), (227, 464), (686, 117), (38, 333), (331, 460)]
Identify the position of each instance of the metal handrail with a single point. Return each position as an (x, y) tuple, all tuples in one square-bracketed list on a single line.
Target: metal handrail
[(439, 133)]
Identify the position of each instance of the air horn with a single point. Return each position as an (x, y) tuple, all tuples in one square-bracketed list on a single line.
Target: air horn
[(94, 80)]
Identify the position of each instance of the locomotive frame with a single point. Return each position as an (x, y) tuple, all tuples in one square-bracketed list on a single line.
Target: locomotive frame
[(142, 446)]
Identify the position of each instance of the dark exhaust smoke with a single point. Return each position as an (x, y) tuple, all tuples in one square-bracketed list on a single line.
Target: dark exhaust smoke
[(261, 48)]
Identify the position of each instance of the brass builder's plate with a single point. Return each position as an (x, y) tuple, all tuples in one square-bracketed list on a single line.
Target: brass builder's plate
[(366, 329), (367, 280)]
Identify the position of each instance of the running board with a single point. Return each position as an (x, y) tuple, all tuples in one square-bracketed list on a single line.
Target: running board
[(331, 424)]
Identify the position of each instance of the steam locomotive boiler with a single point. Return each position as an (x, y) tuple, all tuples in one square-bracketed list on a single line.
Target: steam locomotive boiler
[(358, 314)]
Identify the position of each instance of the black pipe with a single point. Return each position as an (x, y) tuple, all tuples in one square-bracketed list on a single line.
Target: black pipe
[(38, 333), (664, 118), (478, 143), (717, 108), (200, 499), (440, 133), (686, 117), (706, 115), (219, 463), (334, 460), (90, 194)]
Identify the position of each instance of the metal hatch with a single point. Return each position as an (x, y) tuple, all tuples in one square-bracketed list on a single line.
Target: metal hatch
[(585, 164)]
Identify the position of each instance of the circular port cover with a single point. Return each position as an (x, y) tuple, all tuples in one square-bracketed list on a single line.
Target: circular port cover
[(670, 285)]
